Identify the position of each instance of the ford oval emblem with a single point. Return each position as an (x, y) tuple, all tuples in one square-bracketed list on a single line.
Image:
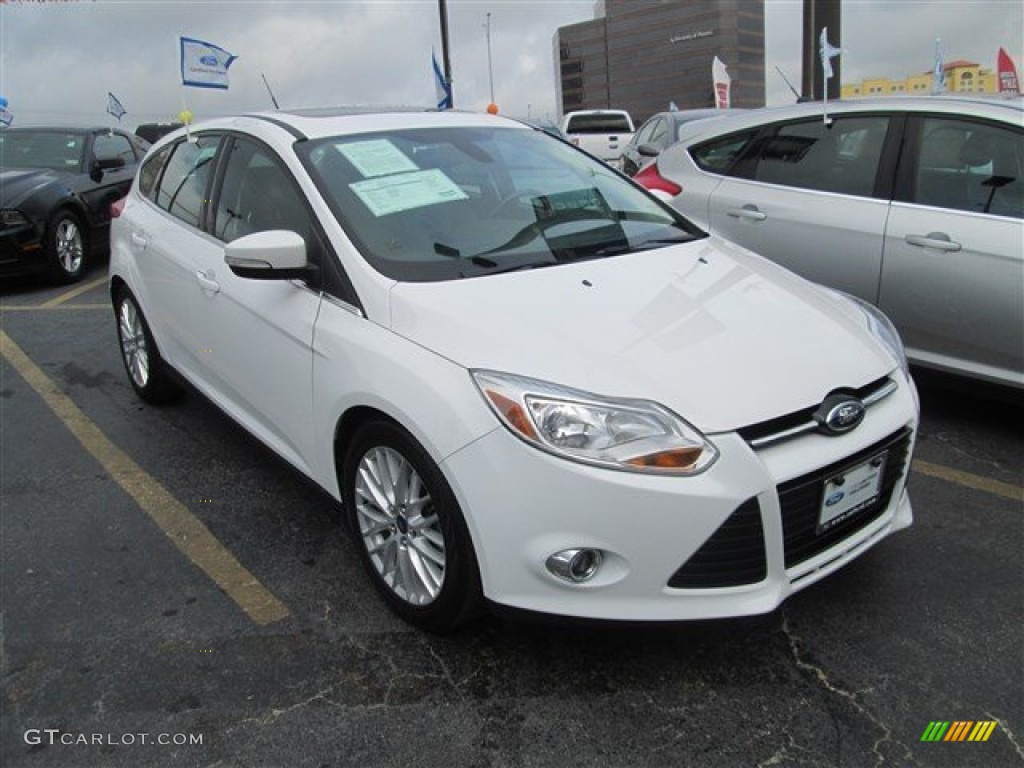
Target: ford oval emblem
[(839, 414), (209, 61), (834, 499)]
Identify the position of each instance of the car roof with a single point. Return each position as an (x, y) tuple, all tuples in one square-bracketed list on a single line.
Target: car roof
[(318, 123), (63, 128), (1007, 109)]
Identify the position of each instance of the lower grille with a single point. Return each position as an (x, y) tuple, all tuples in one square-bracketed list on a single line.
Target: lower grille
[(733, 555), (800, 500)]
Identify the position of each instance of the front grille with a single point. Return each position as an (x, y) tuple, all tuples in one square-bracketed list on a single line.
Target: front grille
[(797, 422), (800, 500), (733, 555)]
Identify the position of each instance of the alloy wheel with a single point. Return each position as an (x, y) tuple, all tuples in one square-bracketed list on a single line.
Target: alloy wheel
[(69, 245), (133, 343), (399, 527)]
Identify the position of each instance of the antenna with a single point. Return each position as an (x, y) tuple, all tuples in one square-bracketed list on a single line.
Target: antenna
[(269, 91), (794, 90)]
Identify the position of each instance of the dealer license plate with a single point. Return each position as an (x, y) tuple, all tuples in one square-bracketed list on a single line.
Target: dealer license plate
[(851, 492)]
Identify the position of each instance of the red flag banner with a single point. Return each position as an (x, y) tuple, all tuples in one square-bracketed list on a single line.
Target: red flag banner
[(1008, 81)]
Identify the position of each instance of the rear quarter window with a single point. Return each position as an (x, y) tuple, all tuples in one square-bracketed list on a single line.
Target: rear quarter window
[(720, 154)]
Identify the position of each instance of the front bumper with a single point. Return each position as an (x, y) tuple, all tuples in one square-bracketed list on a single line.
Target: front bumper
[(523, 505), (21, 251)]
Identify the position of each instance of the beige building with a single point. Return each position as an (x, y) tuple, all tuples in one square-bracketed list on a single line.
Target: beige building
[(959, 77)]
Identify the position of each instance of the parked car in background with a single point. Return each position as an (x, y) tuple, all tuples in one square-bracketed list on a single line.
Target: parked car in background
[(153, 132), (912, 204), (603, 133), (660, 132), (56, 187), (529, 382)]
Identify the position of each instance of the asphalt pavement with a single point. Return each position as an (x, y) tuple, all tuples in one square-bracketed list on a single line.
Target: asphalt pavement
[(174, 594)]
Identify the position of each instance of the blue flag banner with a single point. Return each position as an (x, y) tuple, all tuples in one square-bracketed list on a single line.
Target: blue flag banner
[(444, 90), (204, 65), (114, 106)]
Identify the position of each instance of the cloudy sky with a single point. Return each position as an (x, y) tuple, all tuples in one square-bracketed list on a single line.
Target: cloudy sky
[(59, 59)]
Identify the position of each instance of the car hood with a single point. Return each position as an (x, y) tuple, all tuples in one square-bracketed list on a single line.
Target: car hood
[(722, 337), (16, 184)]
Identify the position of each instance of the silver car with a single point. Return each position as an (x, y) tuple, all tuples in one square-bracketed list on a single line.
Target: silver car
[(913, 204)]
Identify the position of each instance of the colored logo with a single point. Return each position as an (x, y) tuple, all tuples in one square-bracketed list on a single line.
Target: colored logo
[(958, 730), (834, 499), (210, 61)]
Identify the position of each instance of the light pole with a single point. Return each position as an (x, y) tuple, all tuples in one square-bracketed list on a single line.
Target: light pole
[(490, 68)]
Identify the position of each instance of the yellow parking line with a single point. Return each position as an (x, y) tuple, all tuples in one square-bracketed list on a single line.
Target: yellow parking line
[(77, 291), (977, 482), (184, 529), (43, 307)]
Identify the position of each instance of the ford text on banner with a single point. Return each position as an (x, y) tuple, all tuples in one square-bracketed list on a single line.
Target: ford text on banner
[(204, 65)]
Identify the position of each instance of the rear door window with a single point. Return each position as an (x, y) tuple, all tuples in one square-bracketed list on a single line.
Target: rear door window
[(842, 157), (183, 188)]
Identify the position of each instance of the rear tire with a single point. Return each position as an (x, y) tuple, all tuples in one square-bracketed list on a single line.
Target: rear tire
[(409, 530), (147, 371)]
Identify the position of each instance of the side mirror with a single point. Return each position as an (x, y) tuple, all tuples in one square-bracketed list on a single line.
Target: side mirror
[(275, 254), (101, 164), (648, 150), (110, 163)]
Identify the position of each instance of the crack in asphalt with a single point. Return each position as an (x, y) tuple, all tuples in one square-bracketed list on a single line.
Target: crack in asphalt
[(783, 752), (822, 677), (1009, 734)]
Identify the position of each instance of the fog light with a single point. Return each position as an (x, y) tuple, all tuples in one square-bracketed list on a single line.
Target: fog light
[(575, 565)]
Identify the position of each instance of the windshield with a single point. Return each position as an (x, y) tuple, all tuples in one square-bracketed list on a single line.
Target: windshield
[(59, 150), (447, 203)]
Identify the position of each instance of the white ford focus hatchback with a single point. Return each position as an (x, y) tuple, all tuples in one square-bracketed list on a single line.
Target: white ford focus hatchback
[(528, 381)]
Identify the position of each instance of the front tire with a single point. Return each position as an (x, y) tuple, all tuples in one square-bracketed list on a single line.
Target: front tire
[(66, 246), (409, 530), (147, 371)]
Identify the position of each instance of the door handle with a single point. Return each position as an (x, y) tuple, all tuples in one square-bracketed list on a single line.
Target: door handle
[(748, 212), (938, 240), (207, 283), (139, 240)]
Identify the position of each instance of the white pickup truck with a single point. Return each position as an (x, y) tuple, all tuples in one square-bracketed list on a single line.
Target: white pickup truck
[(604, 133)]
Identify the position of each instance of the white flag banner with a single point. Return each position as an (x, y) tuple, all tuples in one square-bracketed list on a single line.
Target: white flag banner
[(722, 83), (204, 65), (828, 52), (6, 117)]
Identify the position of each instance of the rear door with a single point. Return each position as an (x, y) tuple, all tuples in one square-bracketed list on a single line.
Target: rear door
[(169, 244), (953, 276), (811, 197)]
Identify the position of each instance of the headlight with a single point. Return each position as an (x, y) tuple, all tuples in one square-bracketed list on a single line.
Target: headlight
[(12, 218), (883, 330), (881, 327), (633, 435)]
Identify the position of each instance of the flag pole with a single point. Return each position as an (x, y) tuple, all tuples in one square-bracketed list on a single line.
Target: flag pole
[(443, 10)]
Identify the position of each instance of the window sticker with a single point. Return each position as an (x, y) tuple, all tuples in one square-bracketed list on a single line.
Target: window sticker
[(378, 157), (405, 191)]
